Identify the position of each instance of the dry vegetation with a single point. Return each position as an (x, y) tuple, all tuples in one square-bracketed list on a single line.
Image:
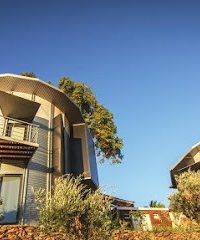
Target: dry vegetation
[(33, 233)]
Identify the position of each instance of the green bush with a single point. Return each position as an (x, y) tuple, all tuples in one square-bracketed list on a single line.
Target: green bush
[(71, 208), (138, 218), (97, 217), (187, 199)]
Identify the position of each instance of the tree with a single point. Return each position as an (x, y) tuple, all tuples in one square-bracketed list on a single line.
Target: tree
[(155, 204), (99, 119), (29, 74), (187, 199)]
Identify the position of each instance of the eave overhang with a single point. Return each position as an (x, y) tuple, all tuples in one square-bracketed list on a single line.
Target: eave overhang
[(11, 82), (188, 161), (16, 107)]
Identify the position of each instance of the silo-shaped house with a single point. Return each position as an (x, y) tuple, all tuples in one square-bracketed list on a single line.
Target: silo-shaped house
[(42, 136), (189, 161)]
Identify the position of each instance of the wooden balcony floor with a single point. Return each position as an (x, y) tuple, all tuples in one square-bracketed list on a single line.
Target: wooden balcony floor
[(14, 151)]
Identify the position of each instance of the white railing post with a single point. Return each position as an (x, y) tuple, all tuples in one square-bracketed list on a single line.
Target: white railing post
[(5, 126), (10, 127), (36, 134), (29, 132)]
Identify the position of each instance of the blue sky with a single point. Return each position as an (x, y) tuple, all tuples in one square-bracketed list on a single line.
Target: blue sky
[(142, 60)]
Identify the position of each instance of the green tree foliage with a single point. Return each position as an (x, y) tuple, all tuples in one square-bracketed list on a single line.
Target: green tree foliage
[(187, 199), (99, 119), (155, 204), (29, 74), (73, 209), (138, 219)]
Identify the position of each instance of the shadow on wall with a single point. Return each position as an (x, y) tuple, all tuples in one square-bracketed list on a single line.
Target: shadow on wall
[(8, 217), (30, 210), (39, 167)]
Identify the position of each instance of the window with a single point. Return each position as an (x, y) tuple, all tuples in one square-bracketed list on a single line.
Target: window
[(9, 198), (156, 216)]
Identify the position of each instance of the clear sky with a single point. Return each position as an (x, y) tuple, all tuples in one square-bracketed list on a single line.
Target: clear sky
[(142, 59)]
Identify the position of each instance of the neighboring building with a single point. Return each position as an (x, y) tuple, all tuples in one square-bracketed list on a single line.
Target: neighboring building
[(152, 218), (142, 218), (42, 136), (146, 218), (122, 209), (191, 160)]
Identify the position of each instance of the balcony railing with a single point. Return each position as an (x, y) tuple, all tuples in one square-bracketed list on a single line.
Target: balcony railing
[(18, 130)]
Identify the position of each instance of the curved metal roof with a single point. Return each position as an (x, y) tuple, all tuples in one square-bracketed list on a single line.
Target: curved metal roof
[(18, 83)]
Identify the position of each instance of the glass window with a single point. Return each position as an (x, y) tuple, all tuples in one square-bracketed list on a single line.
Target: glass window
[(9, 198), (156, 216)]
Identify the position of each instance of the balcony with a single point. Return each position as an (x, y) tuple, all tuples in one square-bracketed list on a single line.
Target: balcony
[(18, 140)]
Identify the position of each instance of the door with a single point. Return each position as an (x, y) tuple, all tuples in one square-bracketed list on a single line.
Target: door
[(9, 201)]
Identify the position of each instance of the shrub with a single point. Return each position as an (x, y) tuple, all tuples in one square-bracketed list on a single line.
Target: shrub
[(73, 209), (97, 216), (138, 219), (187, 199)]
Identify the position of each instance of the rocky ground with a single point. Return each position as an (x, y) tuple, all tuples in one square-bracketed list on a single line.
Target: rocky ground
[(16, 232), (137, 235)]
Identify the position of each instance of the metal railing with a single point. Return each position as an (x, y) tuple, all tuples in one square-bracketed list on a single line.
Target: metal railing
[(19, 130)]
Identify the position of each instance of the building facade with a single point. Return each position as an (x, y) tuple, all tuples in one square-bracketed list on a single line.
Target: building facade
[(191, 160), (42, 136), (152, 218), (121, 210)]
